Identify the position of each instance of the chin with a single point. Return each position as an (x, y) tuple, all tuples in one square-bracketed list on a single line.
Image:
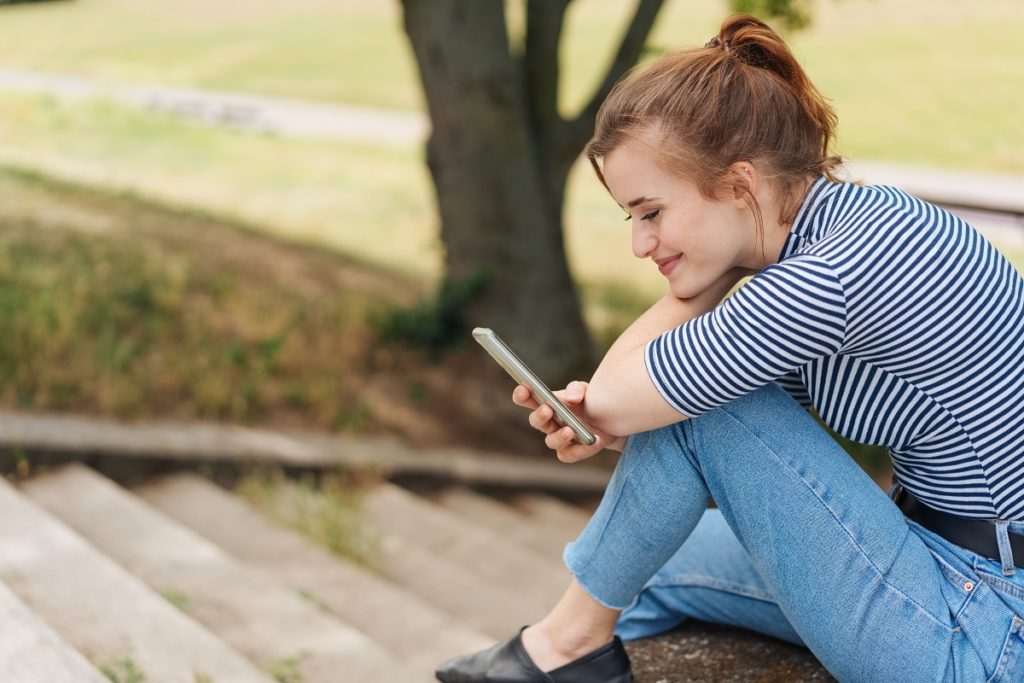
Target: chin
[(681, 291), (686, 290)]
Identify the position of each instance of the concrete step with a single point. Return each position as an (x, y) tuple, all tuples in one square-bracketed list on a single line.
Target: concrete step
[(32, 652), (46, 435), (99, 608), (268, 622), (526, 572), (552, 512), (420, 633), (503, 519), (492, 608)]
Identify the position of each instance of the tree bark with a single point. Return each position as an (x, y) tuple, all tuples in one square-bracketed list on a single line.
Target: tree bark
[(500, 154)]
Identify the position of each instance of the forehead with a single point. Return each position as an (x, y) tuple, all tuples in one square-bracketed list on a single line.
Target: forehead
[(631, 172)]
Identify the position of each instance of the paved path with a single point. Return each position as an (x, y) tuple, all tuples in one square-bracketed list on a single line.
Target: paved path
[(273, 115)]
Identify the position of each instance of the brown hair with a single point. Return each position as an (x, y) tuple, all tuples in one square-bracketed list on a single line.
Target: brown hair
[(741, 97)]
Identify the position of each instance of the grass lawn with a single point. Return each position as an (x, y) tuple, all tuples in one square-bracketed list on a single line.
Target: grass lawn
[(377, 202), (915, 81), (116, 307), (367, 200)]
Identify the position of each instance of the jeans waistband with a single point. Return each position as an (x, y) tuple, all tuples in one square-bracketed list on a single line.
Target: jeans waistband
[(987, 538)]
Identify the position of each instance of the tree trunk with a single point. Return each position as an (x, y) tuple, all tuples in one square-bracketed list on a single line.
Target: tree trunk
[(498, 213), (499, 155)]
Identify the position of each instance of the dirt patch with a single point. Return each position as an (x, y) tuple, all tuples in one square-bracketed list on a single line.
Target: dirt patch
[(699, 652)]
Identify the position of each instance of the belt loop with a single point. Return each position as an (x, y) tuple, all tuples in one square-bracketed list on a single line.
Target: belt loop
[(1005, 552)]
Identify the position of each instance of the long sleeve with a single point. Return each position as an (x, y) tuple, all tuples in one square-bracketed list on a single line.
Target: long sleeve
[(787, 315)]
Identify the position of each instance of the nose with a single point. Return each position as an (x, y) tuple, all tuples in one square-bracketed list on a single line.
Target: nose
[(645, 241)]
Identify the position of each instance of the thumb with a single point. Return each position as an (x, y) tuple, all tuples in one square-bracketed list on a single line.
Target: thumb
[(575, 391)]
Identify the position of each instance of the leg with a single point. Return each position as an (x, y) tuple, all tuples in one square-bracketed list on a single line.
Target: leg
[(857, 587), (712, 578)]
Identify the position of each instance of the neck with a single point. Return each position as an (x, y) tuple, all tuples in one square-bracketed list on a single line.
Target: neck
[(775, 232)]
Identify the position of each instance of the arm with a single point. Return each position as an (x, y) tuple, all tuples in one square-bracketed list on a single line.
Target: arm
[(786, 316), (665, 314), (621, 379)]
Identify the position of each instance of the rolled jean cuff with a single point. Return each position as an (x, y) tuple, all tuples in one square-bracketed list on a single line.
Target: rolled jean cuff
[(605, 592)]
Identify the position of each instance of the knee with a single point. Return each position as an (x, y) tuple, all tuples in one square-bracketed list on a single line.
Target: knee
[(762, 410)]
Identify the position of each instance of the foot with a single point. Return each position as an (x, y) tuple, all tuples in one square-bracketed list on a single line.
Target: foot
[(548, 652), (508, 662)]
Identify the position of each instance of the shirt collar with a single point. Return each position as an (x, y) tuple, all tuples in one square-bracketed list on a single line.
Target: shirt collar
[(806, 229)]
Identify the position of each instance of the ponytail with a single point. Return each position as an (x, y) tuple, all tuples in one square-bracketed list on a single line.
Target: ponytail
[(752, 42)]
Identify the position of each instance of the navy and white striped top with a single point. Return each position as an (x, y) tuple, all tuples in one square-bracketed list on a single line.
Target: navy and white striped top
[(898, 322)]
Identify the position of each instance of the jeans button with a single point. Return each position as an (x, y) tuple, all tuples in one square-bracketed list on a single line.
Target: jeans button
[(969, 586)]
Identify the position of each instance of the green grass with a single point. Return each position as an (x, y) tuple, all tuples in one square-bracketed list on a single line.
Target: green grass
[(351, 52), (919, 81), (176, 598), (113, 307), (356, 198), (328, 511), (123, 670), (286, 671)]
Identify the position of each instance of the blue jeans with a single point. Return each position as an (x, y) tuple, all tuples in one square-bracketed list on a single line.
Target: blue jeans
[(804, 546)]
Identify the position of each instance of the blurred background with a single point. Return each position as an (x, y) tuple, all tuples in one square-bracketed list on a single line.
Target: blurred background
[(137, 186), (222, 213)]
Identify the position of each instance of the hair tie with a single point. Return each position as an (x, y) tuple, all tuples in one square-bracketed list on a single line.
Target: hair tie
[(717, 42)]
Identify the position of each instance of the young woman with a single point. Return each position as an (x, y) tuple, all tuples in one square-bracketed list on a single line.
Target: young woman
[(898, 322)]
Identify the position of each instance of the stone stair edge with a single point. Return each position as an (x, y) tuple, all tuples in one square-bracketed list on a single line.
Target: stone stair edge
[(198, 442), (40, 576), (245, 607)]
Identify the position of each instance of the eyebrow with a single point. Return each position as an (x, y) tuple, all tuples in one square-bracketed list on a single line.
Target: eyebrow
[(641, 200)]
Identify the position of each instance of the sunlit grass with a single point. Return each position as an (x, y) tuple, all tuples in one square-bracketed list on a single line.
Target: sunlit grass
[(918, 81), (358, 198), (352, 52), (116, 308), (372, 201)]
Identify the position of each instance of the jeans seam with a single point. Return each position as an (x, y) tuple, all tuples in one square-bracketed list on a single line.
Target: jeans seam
[(999, 584), (864, 555), (709, 582)]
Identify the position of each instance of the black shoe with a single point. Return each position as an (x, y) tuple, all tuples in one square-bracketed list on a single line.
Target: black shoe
[(507, 662)]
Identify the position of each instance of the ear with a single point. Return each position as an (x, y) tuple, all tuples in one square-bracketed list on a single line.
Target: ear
[(744, 180)]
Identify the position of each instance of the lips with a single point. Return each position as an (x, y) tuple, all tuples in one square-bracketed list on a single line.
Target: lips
[(667, 265)]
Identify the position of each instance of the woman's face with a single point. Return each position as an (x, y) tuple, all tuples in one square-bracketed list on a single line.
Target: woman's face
[(692, 240)]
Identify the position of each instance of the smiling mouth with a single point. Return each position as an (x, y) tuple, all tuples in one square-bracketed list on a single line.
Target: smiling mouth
[(666, 267)]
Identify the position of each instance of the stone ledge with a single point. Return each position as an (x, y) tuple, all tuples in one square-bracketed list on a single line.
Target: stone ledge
[(698, 652)]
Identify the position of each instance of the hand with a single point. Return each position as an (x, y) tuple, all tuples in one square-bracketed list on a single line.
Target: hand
[(562, 439)]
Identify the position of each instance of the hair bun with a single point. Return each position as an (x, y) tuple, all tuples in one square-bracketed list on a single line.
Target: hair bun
[(755, 43)]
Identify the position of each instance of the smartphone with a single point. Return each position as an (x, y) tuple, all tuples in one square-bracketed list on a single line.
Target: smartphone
[(500, 352)]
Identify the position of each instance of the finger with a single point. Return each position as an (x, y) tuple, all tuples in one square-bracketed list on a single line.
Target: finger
[(575, 391), (559, 438), (541, 419), (522, 396), (576, 451)]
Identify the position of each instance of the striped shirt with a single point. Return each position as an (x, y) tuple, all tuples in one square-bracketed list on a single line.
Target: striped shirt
[(898, 322)]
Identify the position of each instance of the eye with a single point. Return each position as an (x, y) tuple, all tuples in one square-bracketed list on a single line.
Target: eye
[(651, 215)]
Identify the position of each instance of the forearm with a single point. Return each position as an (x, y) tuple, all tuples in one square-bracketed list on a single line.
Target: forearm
[(619, 397), (667, 313)]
